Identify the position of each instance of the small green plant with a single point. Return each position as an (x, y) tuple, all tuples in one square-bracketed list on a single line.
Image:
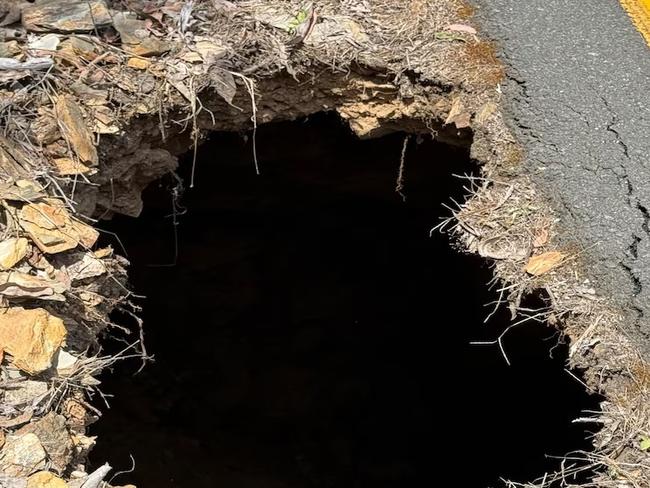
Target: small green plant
[(448, 36), (644, 444), (294, 23)]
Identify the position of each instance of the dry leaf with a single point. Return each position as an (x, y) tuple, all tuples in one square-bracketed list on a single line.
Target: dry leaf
[(68, 167), (457, 115), (32, 337), (103, 252), (75, 130), (461, 28), (138, 63), (12, 251), (485, 112), (541, 237), (224, 83), (104, 121), (542, 263), (87, 234), (11, 192), (209, 50)]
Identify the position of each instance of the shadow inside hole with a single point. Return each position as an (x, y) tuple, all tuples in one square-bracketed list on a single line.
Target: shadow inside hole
[(311, 332)]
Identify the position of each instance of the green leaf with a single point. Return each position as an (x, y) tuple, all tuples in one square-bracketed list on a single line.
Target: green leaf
[(644, 445), (294, 23)]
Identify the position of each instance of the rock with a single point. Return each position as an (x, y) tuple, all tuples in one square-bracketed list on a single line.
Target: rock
[(76, 47), (9, 49), (105, 121), (81, 266), (64, 363), (31, 337), (12, 251), (55, 438), (45, 128), (47, 43), (75, 130), (136, 39), (22, 455), (12, 482), (52, 228), (66, 16), (45, 479), (14, 284), (25, 393)]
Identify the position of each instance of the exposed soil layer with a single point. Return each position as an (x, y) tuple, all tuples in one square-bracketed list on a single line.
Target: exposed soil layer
[(311, 333)]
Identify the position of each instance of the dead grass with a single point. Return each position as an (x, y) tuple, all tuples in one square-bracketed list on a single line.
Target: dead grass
[(507, 221), (482, 57)]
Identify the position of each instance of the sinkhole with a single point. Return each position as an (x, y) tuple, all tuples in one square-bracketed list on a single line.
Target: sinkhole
[(309, 332)]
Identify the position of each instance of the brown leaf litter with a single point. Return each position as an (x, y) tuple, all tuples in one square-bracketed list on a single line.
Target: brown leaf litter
[(543, 263)]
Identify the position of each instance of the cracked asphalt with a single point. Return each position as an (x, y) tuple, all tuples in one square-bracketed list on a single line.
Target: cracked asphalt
[(578, 98)]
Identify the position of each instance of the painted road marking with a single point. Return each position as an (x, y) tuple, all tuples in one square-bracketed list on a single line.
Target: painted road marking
[(639, 11)]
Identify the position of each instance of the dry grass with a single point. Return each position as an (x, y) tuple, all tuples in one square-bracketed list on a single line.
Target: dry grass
[(506, 220)]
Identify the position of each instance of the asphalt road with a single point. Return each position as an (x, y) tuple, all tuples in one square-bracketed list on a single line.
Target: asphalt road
[(578, 98)]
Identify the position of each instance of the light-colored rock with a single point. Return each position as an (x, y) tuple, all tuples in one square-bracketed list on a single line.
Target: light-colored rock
[(75, 130), (31, 337), (14, 284), (66, 16), (25, 393), (22, 455), (45, 479), (52, 228), (55, 438), (136, 39), (81, 266), (12, 251)]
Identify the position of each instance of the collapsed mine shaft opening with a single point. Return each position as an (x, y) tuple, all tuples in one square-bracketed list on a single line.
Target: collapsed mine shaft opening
[(311, 333)]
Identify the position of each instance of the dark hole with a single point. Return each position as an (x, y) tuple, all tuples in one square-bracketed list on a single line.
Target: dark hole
[(312, 334)]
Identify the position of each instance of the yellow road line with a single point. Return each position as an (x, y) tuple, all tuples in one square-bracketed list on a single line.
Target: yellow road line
[(639, 11)]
